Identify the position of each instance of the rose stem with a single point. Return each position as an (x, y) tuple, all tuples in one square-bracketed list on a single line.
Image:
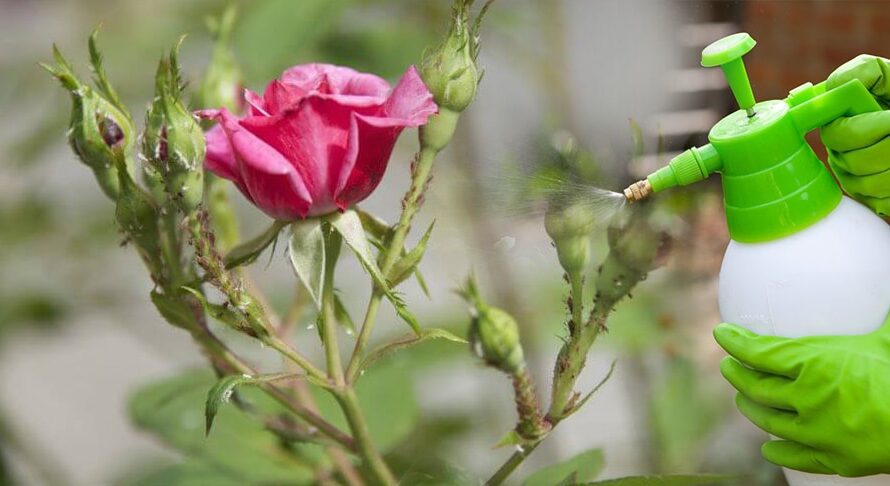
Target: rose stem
[(343, 392), (410, 205)]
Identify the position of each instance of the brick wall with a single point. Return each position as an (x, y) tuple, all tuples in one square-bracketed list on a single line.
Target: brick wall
[(804, 40)]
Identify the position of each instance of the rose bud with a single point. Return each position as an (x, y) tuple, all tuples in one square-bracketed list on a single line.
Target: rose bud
[(493, 334), (570, 226), (318, 140), (451, 74), (100, 129), (173, 142), (222, 83)]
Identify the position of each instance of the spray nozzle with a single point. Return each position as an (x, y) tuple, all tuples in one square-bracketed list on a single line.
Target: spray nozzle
[(727, 53), (692, 165)]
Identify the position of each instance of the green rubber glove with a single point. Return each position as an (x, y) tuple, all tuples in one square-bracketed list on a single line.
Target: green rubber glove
[(827, 397), (859, 146)]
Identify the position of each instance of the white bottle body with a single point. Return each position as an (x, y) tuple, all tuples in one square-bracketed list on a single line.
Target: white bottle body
[(832, 278)]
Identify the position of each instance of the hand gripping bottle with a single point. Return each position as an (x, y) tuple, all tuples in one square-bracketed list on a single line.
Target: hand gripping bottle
[(804, 259)]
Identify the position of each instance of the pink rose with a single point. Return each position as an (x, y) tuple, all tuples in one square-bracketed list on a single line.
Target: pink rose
[(318, 139)]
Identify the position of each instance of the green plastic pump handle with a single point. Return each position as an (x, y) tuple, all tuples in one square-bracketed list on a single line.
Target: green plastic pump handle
[(773, 183), (727, 53)]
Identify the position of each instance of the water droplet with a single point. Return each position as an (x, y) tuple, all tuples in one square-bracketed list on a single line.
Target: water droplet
[(520, 449), (310, 327), (505, 244)]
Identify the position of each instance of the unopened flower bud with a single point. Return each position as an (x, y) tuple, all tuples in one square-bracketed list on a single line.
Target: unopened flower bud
[(493, 334), (449, 71), (100, 130), (173, 142), (570, 227), (223, 83), (451, 74)]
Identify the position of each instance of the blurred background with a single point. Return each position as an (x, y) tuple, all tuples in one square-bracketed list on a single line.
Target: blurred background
[(608, 89)]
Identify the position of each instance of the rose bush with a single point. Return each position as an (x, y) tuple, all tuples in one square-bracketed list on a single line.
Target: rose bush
[(317, 140)]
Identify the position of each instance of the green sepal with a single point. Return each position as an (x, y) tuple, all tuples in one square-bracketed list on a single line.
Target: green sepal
[(247, 252), (306, 250), (100, 78)]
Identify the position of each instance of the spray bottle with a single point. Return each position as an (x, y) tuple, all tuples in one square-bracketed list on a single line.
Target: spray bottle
[(804, 259)]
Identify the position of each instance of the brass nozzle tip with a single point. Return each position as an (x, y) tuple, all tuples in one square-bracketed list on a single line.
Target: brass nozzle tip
[(638, 190)]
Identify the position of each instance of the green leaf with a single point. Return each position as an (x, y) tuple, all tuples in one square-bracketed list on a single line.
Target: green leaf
[(407, 264), (342, 315), (173, 310), (239, 447), (408, 341), (189, 473), (307, 255), (247, 252), (349, 225), (222, 313), (221, 392), (584, 466), (670, 480), (223, 389)]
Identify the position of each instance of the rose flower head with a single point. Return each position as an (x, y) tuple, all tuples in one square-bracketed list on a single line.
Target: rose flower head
[(317, 140)]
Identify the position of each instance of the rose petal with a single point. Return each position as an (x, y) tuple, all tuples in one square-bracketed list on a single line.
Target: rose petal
[(410, 100), (313, 137), (280, 96), (371, 140), (345, 85), (220, 158), (256, 103), (269, 179)]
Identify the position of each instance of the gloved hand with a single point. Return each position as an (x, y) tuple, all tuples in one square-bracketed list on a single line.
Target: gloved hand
[(859, 146), (828, 397)]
